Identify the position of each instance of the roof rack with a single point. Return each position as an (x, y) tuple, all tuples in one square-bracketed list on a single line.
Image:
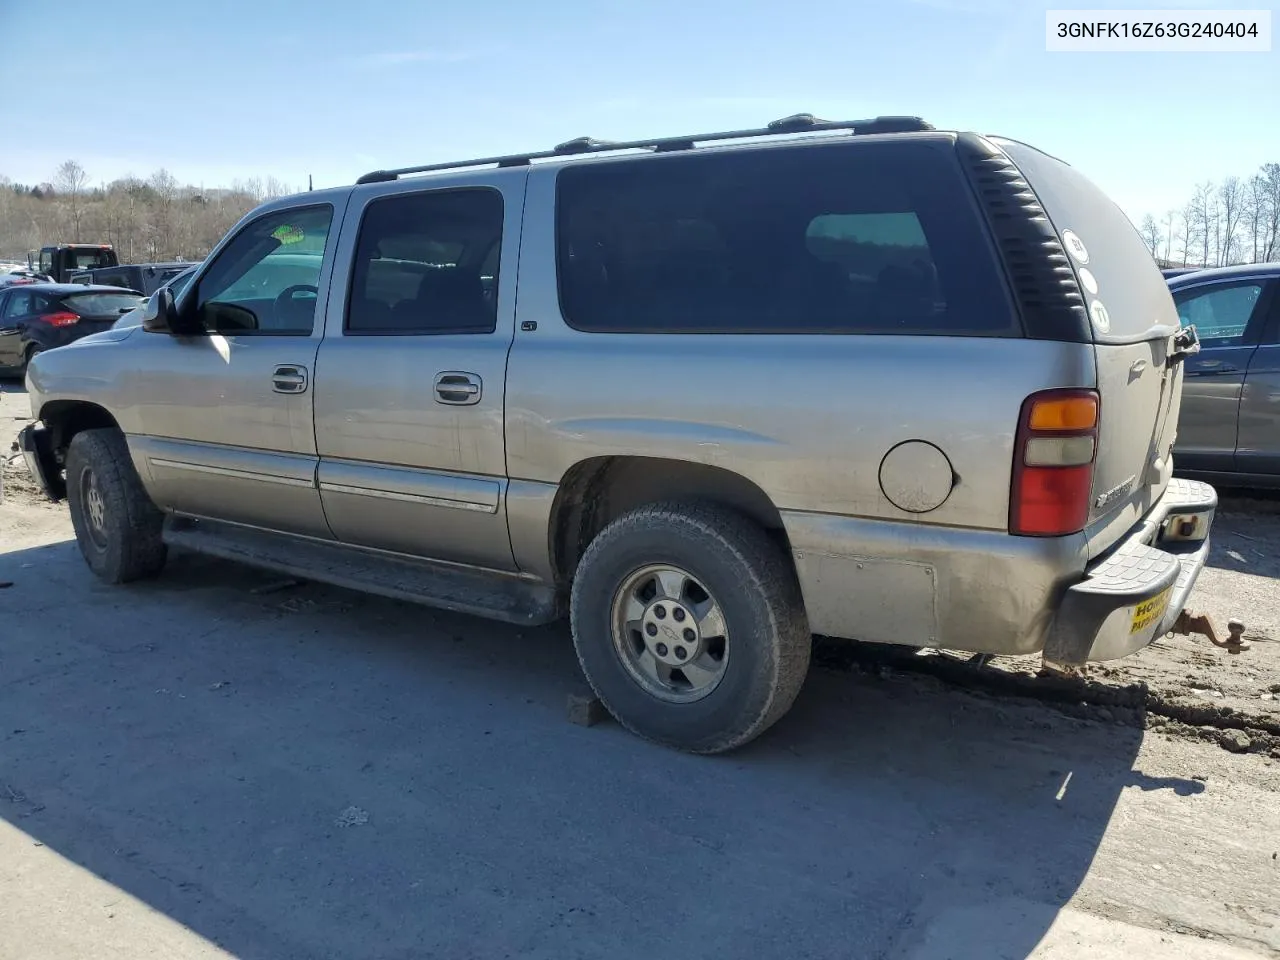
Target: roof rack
[(797, 123)]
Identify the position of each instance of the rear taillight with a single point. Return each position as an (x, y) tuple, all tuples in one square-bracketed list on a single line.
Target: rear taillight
[(63, 318), (1054, 454)]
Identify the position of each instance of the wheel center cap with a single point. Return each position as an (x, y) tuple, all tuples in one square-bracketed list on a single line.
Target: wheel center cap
[(671, 633), (95, 507)]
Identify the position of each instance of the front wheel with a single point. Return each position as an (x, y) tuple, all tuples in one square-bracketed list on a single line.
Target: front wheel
[(117, 526), (689, 626)]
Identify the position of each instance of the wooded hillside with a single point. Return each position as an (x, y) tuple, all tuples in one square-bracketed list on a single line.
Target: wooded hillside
[(146, 220)]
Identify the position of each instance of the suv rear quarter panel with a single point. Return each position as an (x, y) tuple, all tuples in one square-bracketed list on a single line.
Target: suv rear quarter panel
[(809, 419)]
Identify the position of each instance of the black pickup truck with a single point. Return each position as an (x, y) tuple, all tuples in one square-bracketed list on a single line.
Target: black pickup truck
[(58, 261), (145, 278)]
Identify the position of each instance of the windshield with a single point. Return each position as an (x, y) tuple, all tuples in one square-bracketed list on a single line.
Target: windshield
[(179, 283)]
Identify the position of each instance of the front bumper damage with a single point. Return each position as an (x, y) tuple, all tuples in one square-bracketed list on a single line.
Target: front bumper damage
[(1138, 590), (36, 444)]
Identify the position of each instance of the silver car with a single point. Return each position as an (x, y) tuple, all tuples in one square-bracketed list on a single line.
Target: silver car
[(707, 395)]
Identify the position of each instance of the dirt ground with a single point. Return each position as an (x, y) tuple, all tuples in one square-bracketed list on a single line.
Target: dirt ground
[(208, 765)]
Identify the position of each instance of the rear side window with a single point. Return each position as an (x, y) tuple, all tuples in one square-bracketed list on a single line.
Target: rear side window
[(20, 304), (830, 238), (1127, 296), (101, 304), (26, 302)]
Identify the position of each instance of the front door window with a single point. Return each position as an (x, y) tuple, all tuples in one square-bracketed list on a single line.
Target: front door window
[(1221, 313), (266, 280)]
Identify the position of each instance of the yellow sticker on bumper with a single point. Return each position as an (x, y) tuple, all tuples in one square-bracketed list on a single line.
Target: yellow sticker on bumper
[(1150, 611)]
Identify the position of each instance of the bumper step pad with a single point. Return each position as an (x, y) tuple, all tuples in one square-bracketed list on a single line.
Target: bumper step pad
[(1135, 593)]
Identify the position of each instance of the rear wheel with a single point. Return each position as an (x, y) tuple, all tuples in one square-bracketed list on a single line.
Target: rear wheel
[(688, 623), (117, 526)]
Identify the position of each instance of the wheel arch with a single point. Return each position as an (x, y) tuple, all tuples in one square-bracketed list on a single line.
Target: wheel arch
[(64, 419), (597, 490)]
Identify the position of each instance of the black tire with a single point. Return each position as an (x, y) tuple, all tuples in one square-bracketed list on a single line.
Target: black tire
[(124, 544), (754, 585)]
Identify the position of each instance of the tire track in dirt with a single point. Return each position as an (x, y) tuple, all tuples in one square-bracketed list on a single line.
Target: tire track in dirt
[(1130, 704)]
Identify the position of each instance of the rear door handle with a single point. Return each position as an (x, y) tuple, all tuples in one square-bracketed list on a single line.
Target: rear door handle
[(458, 388), (289, 378)]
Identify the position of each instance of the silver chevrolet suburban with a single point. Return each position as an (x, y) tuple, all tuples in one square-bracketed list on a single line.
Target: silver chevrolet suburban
[(707, 395)]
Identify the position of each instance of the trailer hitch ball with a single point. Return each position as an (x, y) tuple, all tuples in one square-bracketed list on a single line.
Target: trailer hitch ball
[(1189, 623)]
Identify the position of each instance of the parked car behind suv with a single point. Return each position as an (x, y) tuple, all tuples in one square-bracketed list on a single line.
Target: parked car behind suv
[(1230, 427), (40, 316), (879, 381)]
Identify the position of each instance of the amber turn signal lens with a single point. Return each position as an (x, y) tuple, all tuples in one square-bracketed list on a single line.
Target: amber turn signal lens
[(1065, 413)]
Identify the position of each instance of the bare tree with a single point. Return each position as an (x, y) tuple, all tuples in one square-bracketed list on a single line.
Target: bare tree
[(1151, 234), (1196, 216), (1169, 219), (277, 188), (70, 181), (251, 188), (1190, 227), (1231, 204), (1211, 216), (1253, 216), (1269, 189), (161, 235)]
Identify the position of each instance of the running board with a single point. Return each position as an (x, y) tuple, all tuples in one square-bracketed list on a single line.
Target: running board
[(493, 595)]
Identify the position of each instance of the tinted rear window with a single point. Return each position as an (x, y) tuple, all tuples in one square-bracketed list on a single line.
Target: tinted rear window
[(868, 237), (90, 259), (1124, 289), (101, 304)]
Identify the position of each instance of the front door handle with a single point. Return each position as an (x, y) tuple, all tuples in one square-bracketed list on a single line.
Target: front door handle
[(289, 378), (458, 388)]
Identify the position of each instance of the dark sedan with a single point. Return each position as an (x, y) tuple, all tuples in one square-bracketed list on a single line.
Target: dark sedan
[(41, 316), (21, 276), (1229, 429)]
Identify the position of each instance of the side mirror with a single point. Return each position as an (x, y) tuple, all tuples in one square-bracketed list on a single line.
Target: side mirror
[(159, 313)]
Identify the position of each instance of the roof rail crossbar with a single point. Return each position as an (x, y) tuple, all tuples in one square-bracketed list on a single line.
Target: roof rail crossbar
[(797, 123)]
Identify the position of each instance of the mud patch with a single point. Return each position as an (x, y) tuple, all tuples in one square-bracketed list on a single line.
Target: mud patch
[(1172, 712), (18, 487)]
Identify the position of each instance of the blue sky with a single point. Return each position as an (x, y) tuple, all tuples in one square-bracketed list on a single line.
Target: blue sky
[(233, 89)]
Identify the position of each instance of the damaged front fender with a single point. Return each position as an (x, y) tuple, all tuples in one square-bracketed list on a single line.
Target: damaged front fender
[(36, 444)]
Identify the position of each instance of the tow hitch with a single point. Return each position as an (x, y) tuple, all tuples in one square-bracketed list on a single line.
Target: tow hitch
[(1189, 623)]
